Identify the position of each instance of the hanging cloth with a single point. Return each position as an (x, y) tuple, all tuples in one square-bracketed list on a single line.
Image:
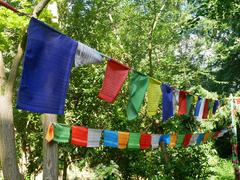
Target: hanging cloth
[(134, 139), (79, 136), (187, 139), (115, 75), (182, 110), (167, 102), (216, 106), (175, 99), (137, 88), (198, 106), (50, 133), (193, 139), (210, 108), (123, 139), (154, 95), (110, 138), (165, 138), (200, 115), (200, 138), (61, 133), (180, 139), (145, 141), (205, 110), (206, 136), (189, 101), (47, 64), (86, 55), (173, 140), (155, 138), (94, 137)]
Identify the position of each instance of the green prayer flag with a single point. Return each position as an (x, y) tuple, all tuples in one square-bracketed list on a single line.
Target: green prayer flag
[(189, 104), (137, 88), (61, 132), (134, 139), (210, 108), (180, 139)]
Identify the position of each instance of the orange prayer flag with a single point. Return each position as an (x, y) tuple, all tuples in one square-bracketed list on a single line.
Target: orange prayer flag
[(173, 140), (123, 139)]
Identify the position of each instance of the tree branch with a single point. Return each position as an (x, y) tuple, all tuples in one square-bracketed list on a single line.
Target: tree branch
[(21, 47)]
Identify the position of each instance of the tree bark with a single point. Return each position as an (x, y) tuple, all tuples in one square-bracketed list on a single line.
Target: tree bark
[(8, 155), (50, 151)]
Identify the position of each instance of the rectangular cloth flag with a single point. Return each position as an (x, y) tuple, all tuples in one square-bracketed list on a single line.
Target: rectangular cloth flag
[(167, 102), (200, 138), (206, 136), (173, 140), (198, 106), (86, 55), (123, 139), (115, 75), (193, 139), (189, 101), (50, 133), (182, 110), (154, 94), (210, 108), (180, 139), (94, 137), (215, 106), (137, 88), (79, 136), (110, 138), (175, 100), (155, 140), (47, 64), (205, 109), (134, 140), (165, 138), (145, 141), (187, 139), (61, 133)]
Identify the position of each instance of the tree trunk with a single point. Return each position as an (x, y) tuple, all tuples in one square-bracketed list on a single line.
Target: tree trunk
[(50, 151), (7, 141)]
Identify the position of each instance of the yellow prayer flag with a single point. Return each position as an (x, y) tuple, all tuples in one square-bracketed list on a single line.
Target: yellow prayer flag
[(206, 136), (154, 94), (173, 140)]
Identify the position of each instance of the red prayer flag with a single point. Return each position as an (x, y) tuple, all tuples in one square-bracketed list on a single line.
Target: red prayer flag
[(216, 134), (187, 139), (115, 75), (205, 110), (182, 103), (79, 136), (145, 141)]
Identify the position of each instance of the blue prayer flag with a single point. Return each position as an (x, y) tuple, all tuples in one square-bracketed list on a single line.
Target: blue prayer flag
[(167, 102), (47, 64), (198, 106), (215, 106), (110, 138), (165, 138), (200, 138)]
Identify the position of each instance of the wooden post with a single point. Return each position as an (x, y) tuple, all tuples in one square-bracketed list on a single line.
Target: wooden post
[(50, 150)]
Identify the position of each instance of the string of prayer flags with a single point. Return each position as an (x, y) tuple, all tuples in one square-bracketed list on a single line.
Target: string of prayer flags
[(173, 140), (115, 75), (123, 139), (46, 69), (86, 55), (165, 138), (137, 88), (61, 133), (180, 139), (167, 102), (79, 136), (155, 138), (50, 133), (110, 138), (154, 94), (94, 137), (145, 141), (187, 139), (182, 109), (134, 139)]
